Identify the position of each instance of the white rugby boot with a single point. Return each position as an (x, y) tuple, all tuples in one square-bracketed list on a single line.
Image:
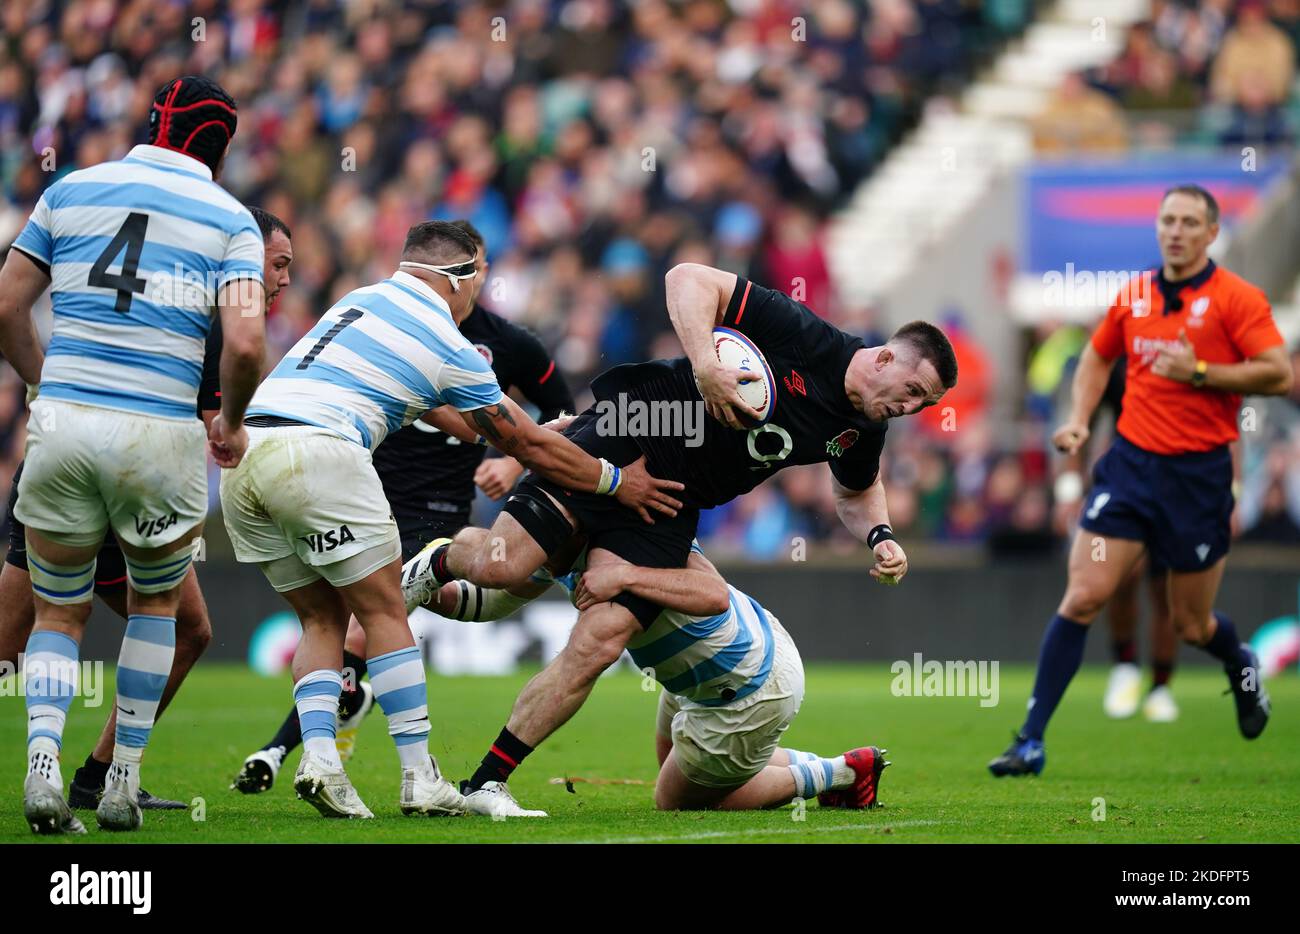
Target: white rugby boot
[(1123, 691), (346, 729), (44, 806), (119, 808), (418, 582), (494, 800), (328, 790), (425, 791), (259, 771), (1160, 706)]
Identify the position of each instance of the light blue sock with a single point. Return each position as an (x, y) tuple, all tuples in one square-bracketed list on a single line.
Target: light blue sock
[(50, 676), (143, 666), (398, 680), (317, 699)]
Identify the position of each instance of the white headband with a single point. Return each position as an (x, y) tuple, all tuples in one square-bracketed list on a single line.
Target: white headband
[(455, 277)]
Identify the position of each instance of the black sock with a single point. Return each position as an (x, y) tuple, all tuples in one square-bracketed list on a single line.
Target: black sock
[(1226, 646), (290, 733), (439, 565), (1161, 672), (1124, 651), (502, 759), (93, 774), (351, 698)]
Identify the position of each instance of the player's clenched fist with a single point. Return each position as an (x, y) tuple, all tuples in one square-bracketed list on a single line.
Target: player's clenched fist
[(497, 476), (891, 562), (227, 446), (719, 389), (1070, 437)]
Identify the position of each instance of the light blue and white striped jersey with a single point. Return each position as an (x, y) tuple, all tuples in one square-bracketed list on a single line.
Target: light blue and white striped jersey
[(137, 251), (711, 660), (377, 360)]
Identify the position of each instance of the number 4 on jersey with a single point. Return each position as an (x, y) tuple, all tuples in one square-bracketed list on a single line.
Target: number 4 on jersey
[(127, 284)]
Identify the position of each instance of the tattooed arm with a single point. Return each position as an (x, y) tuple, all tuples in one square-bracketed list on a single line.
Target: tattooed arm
[(509, 429)]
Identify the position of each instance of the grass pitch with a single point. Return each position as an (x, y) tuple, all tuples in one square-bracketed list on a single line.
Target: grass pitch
[(1194, 780)]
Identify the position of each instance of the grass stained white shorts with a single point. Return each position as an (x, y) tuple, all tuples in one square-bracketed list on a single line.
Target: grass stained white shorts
[(305, 503), (726, 746), (89, 468)]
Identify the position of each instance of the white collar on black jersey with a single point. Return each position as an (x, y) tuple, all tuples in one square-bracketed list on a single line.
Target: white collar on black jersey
[(419, 285), (170, 158)]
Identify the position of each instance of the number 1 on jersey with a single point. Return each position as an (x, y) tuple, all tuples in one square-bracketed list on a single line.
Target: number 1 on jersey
[(352, 314)]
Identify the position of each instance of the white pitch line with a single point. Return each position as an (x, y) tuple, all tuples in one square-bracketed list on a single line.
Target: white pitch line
[(756, 831)]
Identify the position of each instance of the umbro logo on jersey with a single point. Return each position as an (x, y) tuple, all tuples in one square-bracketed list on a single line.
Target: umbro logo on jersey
[(145, 527), (842, 442), (794, 383), (328, 540)]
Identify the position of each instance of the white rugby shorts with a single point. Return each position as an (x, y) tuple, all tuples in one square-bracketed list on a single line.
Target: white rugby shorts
[(89, 468), (724, 747), (307, 493)]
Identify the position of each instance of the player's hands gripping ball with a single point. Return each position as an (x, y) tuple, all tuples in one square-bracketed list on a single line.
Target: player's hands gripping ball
[(720, 389), (891, 563)]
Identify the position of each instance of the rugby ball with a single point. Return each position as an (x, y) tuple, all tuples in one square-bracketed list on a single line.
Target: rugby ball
[(736, 350)]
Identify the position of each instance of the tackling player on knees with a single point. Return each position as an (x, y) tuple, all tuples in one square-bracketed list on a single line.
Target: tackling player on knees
[(731, 681), (1196, 344)]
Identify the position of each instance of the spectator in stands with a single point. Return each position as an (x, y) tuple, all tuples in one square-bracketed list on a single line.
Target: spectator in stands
[(1079, 119), (1253, 50)]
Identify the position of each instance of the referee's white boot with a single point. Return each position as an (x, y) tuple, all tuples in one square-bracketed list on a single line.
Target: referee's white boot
[(1160, 707), (1123, 691)]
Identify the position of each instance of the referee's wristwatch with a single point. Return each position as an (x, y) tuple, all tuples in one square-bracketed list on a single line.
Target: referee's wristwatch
[(1198, 377)]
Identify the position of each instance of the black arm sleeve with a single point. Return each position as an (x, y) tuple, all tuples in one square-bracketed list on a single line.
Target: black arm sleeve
[(210, 382)]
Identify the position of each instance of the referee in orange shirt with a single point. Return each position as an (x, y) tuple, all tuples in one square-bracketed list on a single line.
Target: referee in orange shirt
[(1200, 340)]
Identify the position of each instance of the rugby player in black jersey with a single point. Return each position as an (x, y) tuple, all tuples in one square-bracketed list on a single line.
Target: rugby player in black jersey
[(429, 475), (833, 399), (193, 628)]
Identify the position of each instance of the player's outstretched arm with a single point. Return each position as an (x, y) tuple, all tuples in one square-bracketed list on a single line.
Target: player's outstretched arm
[(21, 284), (696, 590), (509, 429), (1090, 378), (865, 513)]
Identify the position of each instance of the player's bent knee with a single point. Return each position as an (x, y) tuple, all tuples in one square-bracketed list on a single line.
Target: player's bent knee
[(1082, 604)]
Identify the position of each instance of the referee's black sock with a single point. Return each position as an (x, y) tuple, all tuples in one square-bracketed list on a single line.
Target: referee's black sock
[(355, 669), (501, 760), (1225, 645), (1124, 651)]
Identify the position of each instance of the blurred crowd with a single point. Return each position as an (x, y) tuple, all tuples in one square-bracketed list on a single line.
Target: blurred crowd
[(1219, 72), (595, 143)]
